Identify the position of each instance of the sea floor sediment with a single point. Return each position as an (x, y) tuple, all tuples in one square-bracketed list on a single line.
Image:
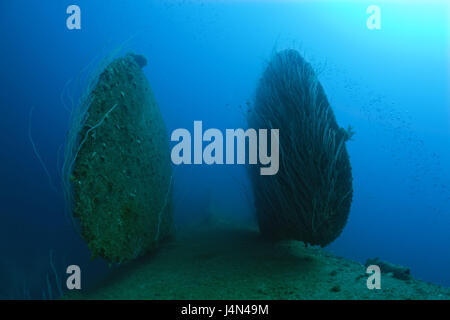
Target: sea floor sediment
[(236, 263)]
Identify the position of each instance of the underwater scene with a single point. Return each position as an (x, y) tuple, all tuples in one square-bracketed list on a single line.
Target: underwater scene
[(243, 150)]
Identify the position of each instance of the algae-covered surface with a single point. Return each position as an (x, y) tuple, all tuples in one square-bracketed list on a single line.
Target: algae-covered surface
[(309, 199), (122, 176), (230, 263)]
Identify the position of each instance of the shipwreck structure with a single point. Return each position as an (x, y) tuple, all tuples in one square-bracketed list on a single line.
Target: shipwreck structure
[(310, 197), (117, 171)]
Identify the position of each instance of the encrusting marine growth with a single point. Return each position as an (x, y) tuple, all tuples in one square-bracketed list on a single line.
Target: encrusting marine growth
[(117, 172), (310, 197)]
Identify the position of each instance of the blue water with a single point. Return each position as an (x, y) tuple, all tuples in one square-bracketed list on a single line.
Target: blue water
[(204, 61)]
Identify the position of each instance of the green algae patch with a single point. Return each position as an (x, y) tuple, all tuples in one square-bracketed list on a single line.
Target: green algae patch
[(120, 177)]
